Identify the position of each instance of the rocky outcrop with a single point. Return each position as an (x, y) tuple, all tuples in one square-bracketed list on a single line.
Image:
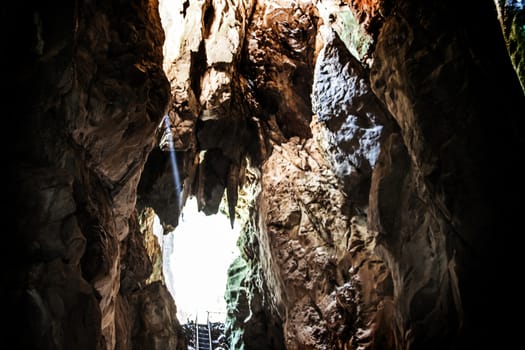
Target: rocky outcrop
[(146, 312), (278, 62), (352, 28), (406, 230), (424, 254), (370, 13), (217, 109), (208, 116), (425, 71), (47, 301), (317, 254), (354, 120), (319, 274), (152, 245), (252, 321), (148, 320)]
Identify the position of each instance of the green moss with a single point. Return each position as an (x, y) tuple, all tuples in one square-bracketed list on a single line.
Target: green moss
[(516, 47), (512, 18), (352, 34), (237, 301)]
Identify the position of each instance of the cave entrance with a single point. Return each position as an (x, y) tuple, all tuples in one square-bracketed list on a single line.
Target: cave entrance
[(198, 252), (196, 257)]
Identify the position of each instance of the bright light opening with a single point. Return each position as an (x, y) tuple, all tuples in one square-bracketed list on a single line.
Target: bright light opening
[(196, 257), (197, 254)]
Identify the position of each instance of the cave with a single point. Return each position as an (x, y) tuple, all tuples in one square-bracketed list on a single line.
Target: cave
[(368, 151)]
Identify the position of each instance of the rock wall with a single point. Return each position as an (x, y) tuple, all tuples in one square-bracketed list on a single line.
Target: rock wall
[(320, 276), (432, 73), (386, 241), (209, 117), (87, 83), (146, 313), (512, 18), (252, 321)]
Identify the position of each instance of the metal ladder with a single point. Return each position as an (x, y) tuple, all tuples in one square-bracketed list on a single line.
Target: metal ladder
[(203, 336)]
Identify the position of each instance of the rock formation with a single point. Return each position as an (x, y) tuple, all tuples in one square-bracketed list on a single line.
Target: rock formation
[(88, 83), (368, 149), (512, 19)]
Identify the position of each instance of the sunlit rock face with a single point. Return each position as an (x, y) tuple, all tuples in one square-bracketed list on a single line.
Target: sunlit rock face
[(427, 208), (278, 61), (209, 115), (251, 322), (354, 119), (511, 14), (252, 319), (317, 255), (232, 94), (90, 91), (370, 13), (309, 259)]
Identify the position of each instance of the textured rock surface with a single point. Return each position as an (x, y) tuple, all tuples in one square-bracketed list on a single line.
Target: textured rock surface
[(431, 180), (252, 321), (354, 119), (145, 310), (427, 296), (278, 61), (150, 315), (208, 115), (151, 244), (48, 303), (346, 23), (216, 114), (370, 13), (302, 251), (326, 281), (89, 87), (511, 14), (433, 81)]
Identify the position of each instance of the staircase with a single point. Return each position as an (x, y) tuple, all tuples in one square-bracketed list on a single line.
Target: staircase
[(203, 337), (208, 334)]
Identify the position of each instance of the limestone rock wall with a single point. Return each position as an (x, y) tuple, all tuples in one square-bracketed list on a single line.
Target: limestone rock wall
[(430, 72), (146, 312), (402, 260), (310, 259), (252, 319), (354, 120), (511, 15), (325, 277), (87, 83), (208, 115), (277, 70)]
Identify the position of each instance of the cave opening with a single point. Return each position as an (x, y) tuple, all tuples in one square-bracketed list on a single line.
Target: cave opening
[(197, 253), (196, 258)]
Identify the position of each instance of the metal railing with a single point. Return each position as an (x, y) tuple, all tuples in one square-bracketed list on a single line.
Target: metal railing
[(202, 335)]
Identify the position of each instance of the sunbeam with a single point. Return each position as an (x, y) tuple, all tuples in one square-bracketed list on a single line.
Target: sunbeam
[(173, 160)]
